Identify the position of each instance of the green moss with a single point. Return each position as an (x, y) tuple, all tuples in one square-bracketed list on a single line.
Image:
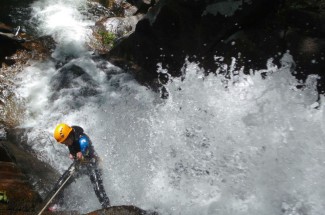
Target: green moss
[(108, 38)]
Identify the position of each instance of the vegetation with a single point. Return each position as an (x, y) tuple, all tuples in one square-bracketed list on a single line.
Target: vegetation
[(108, 38)]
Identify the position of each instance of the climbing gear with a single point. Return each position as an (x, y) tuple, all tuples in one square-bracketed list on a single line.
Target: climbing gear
[(17, 31), (68, 177), (61, 132), (60, 184), (3, 197)]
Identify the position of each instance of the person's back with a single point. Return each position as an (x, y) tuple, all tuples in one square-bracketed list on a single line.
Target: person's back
[(81, 143)]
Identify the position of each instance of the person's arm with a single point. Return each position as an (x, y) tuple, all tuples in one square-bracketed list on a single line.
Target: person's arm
[(79, 133), (71, 156), (78, 155), (75, 152)]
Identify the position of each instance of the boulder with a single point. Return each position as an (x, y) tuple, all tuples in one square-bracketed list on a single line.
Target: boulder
[(72, 78), (9, 43), (122, 210), (251, 31), (19, 168), (17, 193), (173, 30)]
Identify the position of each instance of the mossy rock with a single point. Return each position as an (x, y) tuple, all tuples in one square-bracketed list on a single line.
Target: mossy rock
[(19, 194)]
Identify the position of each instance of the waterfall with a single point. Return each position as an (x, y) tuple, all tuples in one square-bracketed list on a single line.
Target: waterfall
[(248, 144)]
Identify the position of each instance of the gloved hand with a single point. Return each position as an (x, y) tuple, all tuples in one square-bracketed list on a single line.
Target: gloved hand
[(79, 156)]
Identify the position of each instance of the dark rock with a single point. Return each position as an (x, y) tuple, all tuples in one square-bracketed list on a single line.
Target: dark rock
[(18, 164), (122, 210), (308, 52), (22, 48), (67, 78), (98, 11), (120, 26), (9, 44), (127, 8), (175, 30), (14, 184), (9, 6), (116, 7), (74, 79), (142, 5), (309, 22), (40, 174), (5, 28)]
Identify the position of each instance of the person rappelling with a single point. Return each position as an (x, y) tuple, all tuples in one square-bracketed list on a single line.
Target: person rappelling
[(82, 152)]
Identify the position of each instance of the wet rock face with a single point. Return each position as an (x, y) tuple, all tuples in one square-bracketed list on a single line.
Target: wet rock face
[(73, 79), (13, 60), (176, 29), (7, 6), (8, 43), (14, 15), (251, 31), (18, 197), (16, 192), (123, 210), (305, 38), (127, 8), (20, 48), (10, 14)]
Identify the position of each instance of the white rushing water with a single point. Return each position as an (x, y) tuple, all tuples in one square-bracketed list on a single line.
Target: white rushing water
[(216, 146)]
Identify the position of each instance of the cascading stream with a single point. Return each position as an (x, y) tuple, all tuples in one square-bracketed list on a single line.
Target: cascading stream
[(244, 145)]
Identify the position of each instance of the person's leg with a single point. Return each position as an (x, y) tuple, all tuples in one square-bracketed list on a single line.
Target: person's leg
[(59, 199), (96, 180)]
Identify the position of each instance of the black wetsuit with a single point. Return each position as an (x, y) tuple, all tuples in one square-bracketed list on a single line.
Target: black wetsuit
[(77, 133), (89, 168)]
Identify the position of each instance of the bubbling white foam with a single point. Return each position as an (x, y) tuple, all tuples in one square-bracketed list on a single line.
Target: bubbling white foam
[(217, 145), (248, 146), (244, 149), (63, 21)]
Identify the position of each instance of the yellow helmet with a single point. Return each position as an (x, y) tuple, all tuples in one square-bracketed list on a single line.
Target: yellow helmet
[(61, 132)]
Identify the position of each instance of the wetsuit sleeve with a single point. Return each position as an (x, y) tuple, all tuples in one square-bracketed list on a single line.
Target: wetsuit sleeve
[(74, 149)]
